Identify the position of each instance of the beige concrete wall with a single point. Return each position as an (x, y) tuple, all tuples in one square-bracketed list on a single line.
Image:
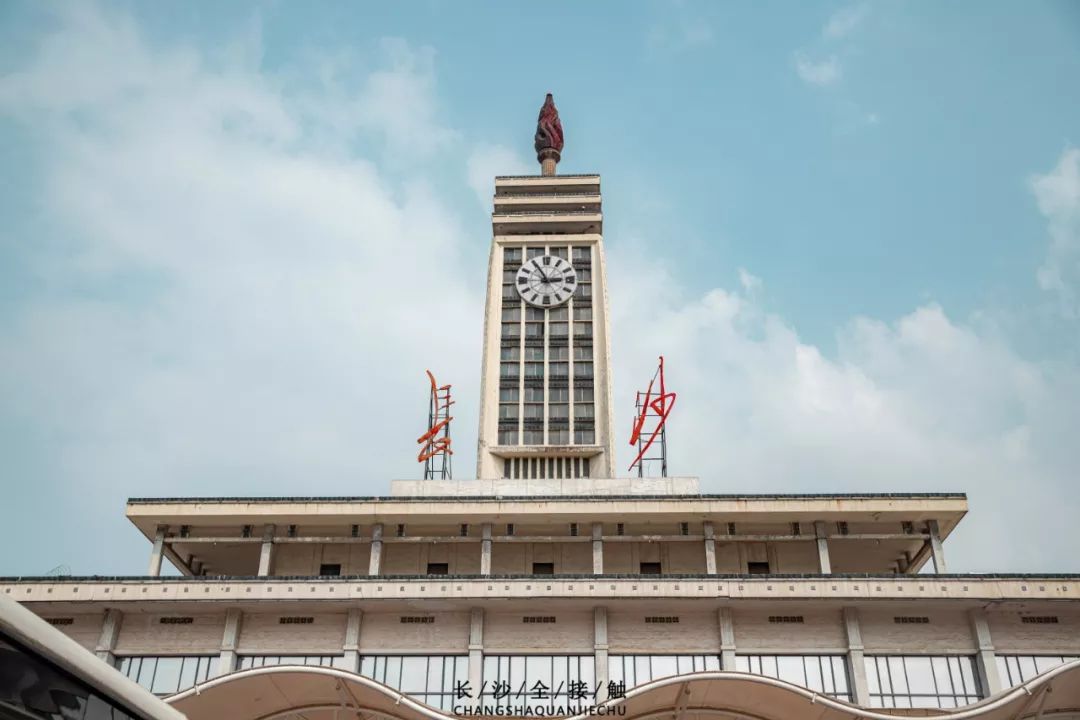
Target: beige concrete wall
[(509, 558), (85, 628), (294, 559), (619, 558), (697, 632), (507, 633), (947, 631), (684, 557), (384, 633), (574, 558), (1011, 635), (264, 633), (821, 630), (402, 559), (145, 634), (796, 557)]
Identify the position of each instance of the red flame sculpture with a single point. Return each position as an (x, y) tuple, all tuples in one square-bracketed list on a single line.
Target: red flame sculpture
[(438, 421), (660, 408)]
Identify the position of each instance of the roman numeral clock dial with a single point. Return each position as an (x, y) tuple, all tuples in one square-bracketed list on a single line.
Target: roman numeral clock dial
[(546, 281)]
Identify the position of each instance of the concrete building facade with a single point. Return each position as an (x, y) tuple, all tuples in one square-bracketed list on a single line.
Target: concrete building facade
[(550, 587)]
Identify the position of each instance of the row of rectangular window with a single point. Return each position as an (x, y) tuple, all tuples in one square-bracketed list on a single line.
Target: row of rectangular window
[(554, 394), (556, 411), (510, 370), (577, 253), (510, 292), (536, 330), (535, 436), (536, 354), (540, 314), (903, 681), (556, 468)]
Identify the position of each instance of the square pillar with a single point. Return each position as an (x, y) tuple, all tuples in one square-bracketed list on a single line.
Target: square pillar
[(266, 553), (937, 552), (375, 565), (986, 659), (352, 639), (600, 653), (710, 548), (229, 640), (485, 550), (476, 652), (598, 548), (157, 551), (110, 631), (824, 562), (860, 690), (727, 638)]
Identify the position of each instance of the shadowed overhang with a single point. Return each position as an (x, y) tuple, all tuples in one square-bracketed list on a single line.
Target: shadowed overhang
[(317, 693)]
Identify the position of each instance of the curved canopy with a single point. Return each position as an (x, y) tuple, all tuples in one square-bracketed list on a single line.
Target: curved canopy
[(319, 693)]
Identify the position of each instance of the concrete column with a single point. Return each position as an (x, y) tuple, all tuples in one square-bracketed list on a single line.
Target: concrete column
[(986, 659), (352, 639), (727, 638), (598, 548), (710, 548), (266, 554), (229, 640), (485, 550), (110, 631), (824, 563), (600, 653), (375, 566), (860, 690), (158, 551), (937, 552), (476, 652)]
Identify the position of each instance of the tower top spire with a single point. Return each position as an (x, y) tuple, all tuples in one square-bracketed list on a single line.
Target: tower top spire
[(549, 137)]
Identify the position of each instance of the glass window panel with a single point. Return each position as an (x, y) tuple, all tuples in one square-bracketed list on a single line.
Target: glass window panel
[(769, 666), (586, 671), (839, 673), (812, 670), (393, 672), (146, 672), (642, 669), (897, 675), (615, 668), (967, 671), (920, 677), (712, 662), (664, 666), (791, 669), (942, 679), (191, 672), (559, 673), (872, 675), (413, 674), (516, 674)]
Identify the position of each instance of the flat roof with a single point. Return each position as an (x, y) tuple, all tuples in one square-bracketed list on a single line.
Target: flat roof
[(504, 498)]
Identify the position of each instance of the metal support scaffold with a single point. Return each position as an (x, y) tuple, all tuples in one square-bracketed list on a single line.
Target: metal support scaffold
[(650, 425), (435, 450)]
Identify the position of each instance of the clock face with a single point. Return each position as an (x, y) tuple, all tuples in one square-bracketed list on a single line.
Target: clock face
[(546, 281)]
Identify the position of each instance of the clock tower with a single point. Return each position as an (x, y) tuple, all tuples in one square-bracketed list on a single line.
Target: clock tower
[(545, 408)]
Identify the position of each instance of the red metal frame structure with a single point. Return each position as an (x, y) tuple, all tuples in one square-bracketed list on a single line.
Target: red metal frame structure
[(650, 422), (435, 451)]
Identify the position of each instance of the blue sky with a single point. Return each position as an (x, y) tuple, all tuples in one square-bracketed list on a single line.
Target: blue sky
[(853, 229)]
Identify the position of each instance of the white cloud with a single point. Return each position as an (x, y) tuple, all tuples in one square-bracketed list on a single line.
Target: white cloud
[(485, 162), (237, 304), (921, 404), (1058, 196), (844, 21), (818, 72)]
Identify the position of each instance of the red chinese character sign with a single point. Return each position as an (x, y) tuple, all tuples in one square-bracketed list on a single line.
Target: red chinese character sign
[(652, 411), (435, 448)]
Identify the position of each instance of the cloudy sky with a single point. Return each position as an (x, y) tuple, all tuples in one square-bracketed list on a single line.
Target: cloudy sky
[(234, 236)]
